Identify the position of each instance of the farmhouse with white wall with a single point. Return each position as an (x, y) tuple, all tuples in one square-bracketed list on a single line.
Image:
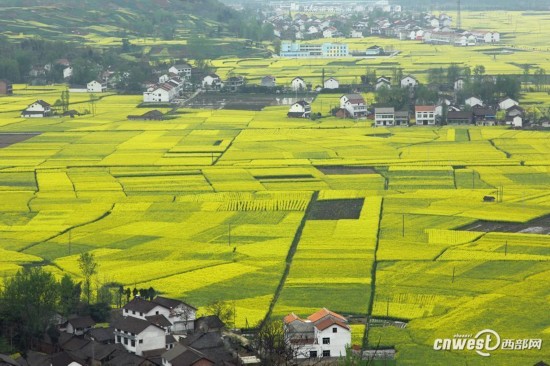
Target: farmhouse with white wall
[(354, 104), (322, 334)]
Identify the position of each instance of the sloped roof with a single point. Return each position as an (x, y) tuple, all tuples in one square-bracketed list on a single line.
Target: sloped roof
[(425, 108), (384, 110), (102, 334), (355, 98), (324, 324), (133, 325), (290, 318), (140, 305), (170, 303), (159, 320), (323, 313), (81, 322)]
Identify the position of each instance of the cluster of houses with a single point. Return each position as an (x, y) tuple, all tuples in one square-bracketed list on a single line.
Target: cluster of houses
[(474, 110), (392, 22), (161, 332), (169, 86), (305, 25), (166, 332)]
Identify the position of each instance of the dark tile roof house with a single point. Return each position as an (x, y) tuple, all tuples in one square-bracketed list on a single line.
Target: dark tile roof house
[(102, 335), (133, 325), (185, 356), (209, 323), (170, 303), (140, 305)]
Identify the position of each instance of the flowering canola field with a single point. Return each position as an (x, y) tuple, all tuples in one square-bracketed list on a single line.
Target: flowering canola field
[(213, 205)]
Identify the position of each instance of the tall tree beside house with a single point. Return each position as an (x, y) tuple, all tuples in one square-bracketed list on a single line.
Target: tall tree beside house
[(88, 267), (271, 344), (69, 295), (223, 310), (28, 302)]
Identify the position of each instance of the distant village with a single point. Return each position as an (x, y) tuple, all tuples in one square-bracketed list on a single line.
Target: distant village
[(295, 22)]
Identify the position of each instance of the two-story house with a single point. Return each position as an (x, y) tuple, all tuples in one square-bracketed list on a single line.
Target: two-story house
[(180, 315), (322, 334), (183, 70), (300, 109), (425, 115), (355, 105), (139, 335), (384, 116)]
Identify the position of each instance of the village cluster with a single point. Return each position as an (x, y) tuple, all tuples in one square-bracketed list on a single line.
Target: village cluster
[(297, 22), (473, 111), (167, 332)]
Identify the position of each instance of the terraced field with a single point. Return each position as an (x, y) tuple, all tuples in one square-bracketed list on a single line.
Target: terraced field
[(221, 205)]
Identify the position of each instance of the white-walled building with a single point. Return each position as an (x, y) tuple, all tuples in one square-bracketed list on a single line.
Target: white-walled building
[(355, 105), (212, 81), (37, 109), (425, 115), (269, 81), (409, 82), (300, 109), (384, 117), (67, 72), (322, 334), (180, 315), (298, 84), (473, 101), (95, 86), (138, 335), (507, 103), (163, 93), (183, 70), (331, 83)]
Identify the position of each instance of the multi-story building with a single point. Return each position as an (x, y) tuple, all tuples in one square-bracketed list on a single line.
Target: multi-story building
[(304, 50)]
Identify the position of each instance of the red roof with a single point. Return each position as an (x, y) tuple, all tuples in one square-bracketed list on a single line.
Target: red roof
[(329, 322), (325, 312), (425, 108), (290, 318)]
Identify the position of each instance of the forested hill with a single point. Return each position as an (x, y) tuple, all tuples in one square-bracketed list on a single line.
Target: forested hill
[(77, 19)]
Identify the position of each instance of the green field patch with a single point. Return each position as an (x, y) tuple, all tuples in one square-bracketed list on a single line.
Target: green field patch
[(338, 209)]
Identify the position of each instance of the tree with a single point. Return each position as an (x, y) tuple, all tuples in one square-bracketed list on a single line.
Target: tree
[(69, 295), (272, 345), (88, 267), (223, 310), (28, 302)]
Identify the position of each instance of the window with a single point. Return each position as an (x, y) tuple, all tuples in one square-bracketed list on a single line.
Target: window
[(157, 313), (133, 343), (334, 330), (326, 353), (140, 314), (126, 341), (140, 341), (312, 354), (118, 339), (326, 340), (133, 312)]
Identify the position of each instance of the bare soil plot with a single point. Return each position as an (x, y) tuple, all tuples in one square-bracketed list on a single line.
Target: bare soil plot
[(536, 226), (7, 139), (339, 209)]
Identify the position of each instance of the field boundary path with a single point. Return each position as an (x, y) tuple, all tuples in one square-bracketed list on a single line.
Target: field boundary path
[(373, 276), (289, 257)]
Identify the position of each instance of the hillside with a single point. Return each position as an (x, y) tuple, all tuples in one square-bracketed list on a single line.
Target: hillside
[(90, 20)]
